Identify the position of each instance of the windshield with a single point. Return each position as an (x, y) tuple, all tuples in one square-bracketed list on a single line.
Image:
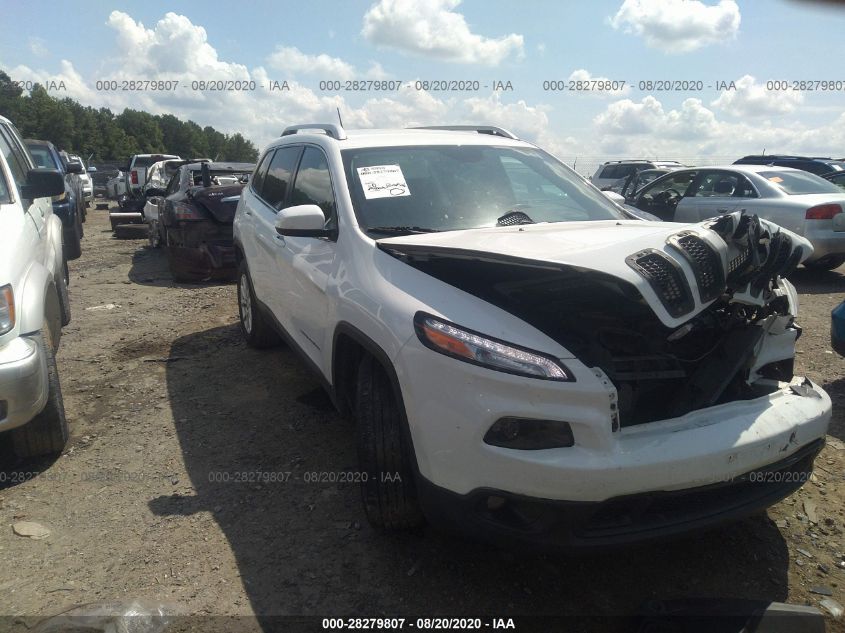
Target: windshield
[(220, 177), (799, 182), (446, 188), (42, 157)]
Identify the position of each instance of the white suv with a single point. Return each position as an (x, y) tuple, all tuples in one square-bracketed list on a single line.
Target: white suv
[(33, 300), (612, 171), (522, 359)]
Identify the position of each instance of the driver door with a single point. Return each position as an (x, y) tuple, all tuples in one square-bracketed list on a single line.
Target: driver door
[(666, 196)]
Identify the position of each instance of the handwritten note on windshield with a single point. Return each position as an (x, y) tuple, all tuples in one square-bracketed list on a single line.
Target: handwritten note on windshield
[(383, 181)]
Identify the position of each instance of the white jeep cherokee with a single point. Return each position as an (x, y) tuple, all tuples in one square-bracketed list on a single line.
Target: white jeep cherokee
[(522, 359), (34, 301)]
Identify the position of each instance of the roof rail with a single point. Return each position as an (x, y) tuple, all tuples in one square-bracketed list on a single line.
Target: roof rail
[(481, 129), (331, 129)]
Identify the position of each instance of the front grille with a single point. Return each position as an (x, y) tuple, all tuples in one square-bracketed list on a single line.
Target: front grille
[(666, 279), (705, 263)]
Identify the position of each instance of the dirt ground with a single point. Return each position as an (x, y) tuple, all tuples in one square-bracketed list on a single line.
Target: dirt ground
[(167, 407)]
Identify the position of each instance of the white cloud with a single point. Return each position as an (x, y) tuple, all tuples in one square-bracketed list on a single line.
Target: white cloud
[(751, 99), (678, 26), (694, 132), (291, 60), (430, 28), (38, 46), (585, 76)]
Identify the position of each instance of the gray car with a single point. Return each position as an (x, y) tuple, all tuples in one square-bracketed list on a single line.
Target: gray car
[(797, 200)]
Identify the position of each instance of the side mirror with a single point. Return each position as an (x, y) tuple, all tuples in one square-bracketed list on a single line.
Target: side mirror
[(303, 220), (43, 183), (92, 169), (74, 168)]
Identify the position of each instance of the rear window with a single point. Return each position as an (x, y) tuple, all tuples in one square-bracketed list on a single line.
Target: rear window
[(798, 182), (146, 161)]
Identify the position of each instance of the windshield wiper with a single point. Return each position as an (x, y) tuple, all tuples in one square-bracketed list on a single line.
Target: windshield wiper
[(400, 230)]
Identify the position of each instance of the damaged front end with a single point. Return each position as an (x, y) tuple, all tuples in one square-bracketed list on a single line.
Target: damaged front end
[(678, 320)]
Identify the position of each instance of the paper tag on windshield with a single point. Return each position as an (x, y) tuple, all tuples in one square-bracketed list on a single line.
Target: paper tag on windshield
[(383, 181)]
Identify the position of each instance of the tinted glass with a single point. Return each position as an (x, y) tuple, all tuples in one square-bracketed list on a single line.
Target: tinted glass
[(14, 158), (278, 176), (459, 187), (261, 172), (679, 183), (798, 182), (43, 157), (724, 185), (838, 180), (314, 184)]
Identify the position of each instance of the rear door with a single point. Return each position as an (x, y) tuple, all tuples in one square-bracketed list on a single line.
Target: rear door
[(272, 196), (305, 264)]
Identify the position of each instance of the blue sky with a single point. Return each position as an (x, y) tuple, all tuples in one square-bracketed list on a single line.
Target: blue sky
[(525, 43)]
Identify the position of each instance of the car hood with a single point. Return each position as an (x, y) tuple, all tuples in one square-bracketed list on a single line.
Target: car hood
[(662, 260)]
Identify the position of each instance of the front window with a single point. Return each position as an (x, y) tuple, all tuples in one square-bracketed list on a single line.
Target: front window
[(446, 188), (797, 183)]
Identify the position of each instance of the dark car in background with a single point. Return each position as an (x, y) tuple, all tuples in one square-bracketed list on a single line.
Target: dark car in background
[(69, 205), (812, 164), (836, 177), (193, 219), (104, 173)]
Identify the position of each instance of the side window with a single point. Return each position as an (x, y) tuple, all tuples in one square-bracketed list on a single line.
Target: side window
[(611, 171), (275, 187), (313, 184), (839, 181), (17, 165), (257, 180), (724, 185)]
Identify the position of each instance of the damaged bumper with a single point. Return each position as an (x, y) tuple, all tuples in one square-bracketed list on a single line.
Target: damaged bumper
[(202, 251), (506, 518)]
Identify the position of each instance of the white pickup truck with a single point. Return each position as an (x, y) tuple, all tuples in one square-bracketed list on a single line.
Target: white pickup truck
[(34, 301)]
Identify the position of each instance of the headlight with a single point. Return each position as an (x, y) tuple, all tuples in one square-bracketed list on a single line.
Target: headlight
[(7, 309), (478, 349)]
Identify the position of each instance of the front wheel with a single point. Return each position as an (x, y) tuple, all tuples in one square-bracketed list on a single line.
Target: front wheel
[(257, 331), (829, 262), (387, 485), (47, 432)]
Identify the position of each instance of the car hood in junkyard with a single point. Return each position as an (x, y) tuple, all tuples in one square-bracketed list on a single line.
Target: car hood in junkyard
[(624, 249)]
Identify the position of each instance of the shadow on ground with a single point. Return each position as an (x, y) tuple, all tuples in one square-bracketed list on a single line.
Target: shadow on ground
[(304, 548)]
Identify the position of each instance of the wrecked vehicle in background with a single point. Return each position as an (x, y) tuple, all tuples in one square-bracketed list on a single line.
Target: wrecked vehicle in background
[(531, 363), (193, 217)]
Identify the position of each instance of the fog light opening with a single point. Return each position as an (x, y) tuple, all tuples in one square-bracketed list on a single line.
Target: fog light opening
[(529, 434)]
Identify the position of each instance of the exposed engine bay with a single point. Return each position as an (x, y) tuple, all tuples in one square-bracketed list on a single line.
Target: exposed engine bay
[(723, 278)]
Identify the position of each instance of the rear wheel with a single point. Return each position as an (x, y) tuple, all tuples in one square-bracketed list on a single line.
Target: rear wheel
[(828, 262), (46, 433), (387, 486), (256, 329)]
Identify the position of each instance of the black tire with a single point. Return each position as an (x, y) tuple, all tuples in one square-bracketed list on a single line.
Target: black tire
[(829, 262), (387, 486), (257, 330), (64, 296), (47, 432), (73, 245)]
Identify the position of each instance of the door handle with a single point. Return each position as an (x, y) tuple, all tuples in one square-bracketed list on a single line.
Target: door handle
[(247, 212), (280, 239)]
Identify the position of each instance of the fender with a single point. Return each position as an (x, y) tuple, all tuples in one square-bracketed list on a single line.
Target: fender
[(347, 329), (39, 301)]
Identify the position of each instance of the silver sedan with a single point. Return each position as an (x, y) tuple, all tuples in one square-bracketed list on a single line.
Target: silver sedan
[(797, 200)]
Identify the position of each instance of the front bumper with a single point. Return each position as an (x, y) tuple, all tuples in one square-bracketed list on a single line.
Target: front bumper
[(23, 382), (700, 448), (508, 519)]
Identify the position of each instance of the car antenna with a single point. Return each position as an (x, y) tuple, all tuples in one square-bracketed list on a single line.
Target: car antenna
[(339, 120)]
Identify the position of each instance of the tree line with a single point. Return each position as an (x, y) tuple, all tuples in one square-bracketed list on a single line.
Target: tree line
[(108, 137)]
